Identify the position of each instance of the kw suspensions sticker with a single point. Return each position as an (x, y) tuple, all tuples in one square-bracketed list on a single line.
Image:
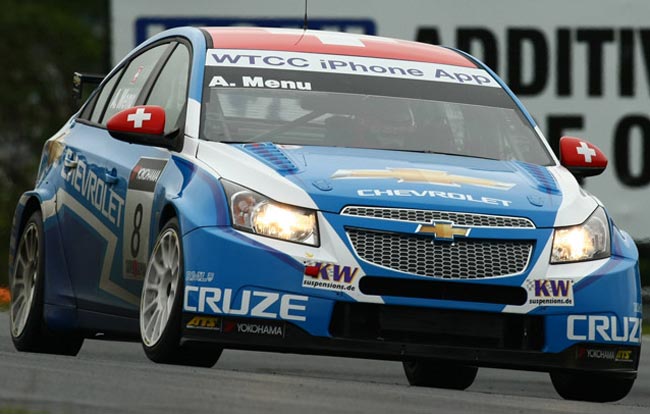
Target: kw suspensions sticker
[(137, 215)]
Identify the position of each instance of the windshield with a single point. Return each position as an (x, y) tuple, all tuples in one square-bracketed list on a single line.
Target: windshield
[(352, 110)]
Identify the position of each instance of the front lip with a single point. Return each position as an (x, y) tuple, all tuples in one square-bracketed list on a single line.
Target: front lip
[(298, 341)]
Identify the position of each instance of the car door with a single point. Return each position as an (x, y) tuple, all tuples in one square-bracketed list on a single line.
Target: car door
[(91, 199), (141, 167)]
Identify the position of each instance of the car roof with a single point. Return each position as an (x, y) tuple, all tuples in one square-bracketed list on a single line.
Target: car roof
[(334, 43)]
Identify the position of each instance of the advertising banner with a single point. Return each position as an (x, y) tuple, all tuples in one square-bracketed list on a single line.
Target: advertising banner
[(582, 68)]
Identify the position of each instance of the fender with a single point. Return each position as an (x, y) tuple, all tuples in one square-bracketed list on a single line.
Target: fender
[(60, 301), (196, 195)]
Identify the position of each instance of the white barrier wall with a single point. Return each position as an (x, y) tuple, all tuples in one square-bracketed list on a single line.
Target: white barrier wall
[(582, 67)]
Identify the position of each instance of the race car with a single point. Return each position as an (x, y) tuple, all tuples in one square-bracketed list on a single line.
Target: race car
[(324, 193)]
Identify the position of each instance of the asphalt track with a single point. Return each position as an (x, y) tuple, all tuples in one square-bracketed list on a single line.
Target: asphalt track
[(116, 377)]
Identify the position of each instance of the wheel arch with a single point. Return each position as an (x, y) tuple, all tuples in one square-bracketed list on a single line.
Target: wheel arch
[(59, 298), (167, 213), (28, 203)]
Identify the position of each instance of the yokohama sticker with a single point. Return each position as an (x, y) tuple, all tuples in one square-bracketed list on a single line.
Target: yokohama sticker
[(254, 327), (618, 355)]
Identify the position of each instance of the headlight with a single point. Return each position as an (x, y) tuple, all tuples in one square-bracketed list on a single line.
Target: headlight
[(587, 241), (255, 213)]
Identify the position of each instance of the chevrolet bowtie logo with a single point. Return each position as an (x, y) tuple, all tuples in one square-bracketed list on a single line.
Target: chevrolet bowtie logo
[(414, 175), (443, 230)]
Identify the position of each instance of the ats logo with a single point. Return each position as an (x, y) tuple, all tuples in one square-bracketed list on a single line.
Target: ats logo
[(330, 276), (204, 322), (618, 355), (550, 292)]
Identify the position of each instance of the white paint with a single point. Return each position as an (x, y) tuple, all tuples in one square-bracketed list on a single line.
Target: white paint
[(192, 118), (577, 205), (239, 167), (138, 117), (585, 151)]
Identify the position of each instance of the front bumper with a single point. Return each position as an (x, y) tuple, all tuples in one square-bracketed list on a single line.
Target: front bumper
[(234, 279)]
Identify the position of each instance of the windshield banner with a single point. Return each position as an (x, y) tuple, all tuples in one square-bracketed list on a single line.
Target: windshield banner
[(349, 65)]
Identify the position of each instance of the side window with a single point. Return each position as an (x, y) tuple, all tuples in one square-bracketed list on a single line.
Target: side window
[(134, 79), (100, 103), (170, 89)]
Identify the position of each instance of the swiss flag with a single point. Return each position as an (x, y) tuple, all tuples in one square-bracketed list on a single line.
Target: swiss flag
[(578, 153), (143, 119)]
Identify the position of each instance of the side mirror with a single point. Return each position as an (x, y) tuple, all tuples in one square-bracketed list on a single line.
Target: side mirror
[(581, 157), (143, 125), (79, 80)]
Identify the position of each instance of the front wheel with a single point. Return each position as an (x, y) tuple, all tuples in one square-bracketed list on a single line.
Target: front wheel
[(29, 332), (594, 387), (437, 374), (161, 306)]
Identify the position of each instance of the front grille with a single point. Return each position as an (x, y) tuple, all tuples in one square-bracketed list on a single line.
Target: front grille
[(429, 216), (441, 327), (462, 259)]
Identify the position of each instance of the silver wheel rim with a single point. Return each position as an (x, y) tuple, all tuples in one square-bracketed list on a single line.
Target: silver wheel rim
[(159, 287), (23, 282)]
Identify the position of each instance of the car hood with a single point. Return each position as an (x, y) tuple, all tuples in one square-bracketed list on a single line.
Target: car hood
[(331, 178)]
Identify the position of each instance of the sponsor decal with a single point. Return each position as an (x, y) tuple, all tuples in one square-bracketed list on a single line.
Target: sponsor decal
[(617, 355), (443, 230), (270, 305), (137, 216), (198, 276), (550, 292), (624, 355), (433, 194), (87, 184), (260, 82), (136, 75), (415, 175), (123, 98), (268, 328), (330, 276), (145, 173), (204, 322), (349, 65), (603, 328)]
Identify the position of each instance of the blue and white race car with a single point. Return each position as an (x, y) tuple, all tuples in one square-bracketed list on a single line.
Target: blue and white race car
[(327, 193)]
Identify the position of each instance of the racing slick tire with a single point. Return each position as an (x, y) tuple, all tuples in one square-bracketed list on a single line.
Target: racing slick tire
[(161, 306), (589, 386), (437, 374), (29, 332)]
